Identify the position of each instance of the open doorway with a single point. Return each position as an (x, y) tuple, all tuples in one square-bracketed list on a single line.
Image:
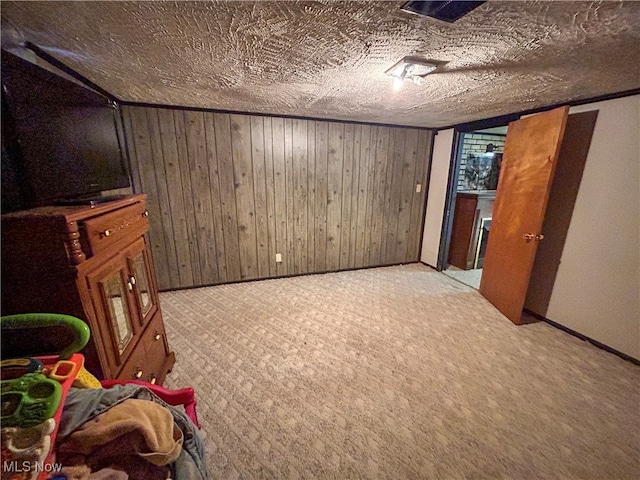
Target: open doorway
[(475, 180)]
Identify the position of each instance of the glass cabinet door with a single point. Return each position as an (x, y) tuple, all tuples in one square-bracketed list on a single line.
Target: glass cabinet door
[(125, 300), (141, 280), (143, 292), (115, 295), (112, 296)]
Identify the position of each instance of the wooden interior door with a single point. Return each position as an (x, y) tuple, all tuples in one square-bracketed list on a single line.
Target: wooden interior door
[(528, 164)]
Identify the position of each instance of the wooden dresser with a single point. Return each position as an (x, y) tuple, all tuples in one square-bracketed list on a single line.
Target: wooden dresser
[(92, 262), (470, 209)]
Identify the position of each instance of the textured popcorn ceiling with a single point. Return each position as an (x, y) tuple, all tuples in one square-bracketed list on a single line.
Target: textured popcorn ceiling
[(327, 59)]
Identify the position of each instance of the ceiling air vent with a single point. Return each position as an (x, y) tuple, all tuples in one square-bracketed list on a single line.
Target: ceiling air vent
[(449, 11)]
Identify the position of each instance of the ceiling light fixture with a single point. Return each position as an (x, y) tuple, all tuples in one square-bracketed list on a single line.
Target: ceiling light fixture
[(398, 81), (412, 68)]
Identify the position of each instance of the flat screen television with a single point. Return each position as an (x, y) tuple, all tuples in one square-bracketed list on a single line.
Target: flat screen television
[(61, 141)]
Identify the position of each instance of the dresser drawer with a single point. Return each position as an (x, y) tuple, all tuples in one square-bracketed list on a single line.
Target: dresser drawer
[(105, 230), (136, 365), (148, 361), (157, 350)]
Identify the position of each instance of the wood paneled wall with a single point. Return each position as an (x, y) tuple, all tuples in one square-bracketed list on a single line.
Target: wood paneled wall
[(226, 192)]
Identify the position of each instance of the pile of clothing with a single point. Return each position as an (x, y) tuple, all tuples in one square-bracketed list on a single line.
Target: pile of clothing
[(127, 432)]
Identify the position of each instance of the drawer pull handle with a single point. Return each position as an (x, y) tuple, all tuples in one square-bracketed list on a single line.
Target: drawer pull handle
[(137, 373), (130, 286), (157, 336), (132, 279), (107, 233), (145, 213), (153, 380)]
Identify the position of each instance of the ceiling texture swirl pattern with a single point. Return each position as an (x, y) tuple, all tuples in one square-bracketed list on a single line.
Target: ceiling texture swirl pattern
[(326, 59)]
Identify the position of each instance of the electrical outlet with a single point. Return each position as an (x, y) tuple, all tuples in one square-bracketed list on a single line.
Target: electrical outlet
[(418, 187), (278, 257)]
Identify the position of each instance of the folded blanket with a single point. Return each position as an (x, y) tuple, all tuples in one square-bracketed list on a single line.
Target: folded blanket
[(136, 436)]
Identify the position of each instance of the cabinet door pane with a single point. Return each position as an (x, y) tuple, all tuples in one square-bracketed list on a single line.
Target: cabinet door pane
[(143, 291), (119, 316)]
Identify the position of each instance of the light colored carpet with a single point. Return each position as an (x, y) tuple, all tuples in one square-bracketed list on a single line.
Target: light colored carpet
[(395, 373), (468, 277)]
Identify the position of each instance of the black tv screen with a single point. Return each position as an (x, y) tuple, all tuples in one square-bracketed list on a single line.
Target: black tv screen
[(66, 138)]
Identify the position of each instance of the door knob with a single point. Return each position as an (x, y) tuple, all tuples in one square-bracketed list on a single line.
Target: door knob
[(531, 236)]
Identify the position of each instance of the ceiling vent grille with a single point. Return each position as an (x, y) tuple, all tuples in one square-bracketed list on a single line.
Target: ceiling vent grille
[(448, 11)]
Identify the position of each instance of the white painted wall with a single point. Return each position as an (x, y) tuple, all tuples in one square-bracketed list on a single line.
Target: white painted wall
[(440, 163), (597, 287)]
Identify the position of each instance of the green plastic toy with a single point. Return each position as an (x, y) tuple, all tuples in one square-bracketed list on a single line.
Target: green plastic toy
[(29, 400), (76, 328)]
